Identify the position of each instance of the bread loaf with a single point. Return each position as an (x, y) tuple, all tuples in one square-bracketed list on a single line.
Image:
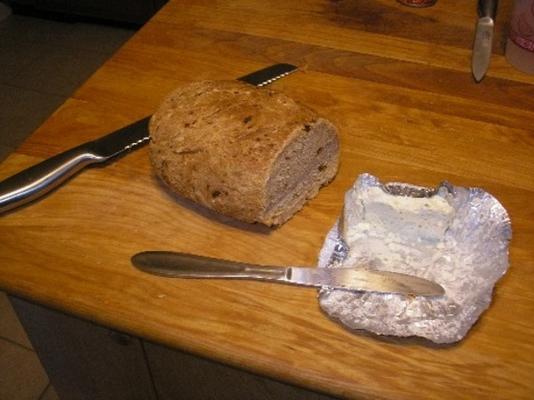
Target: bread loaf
[(249, 153)]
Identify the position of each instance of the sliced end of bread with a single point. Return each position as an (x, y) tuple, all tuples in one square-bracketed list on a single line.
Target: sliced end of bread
[(306, 164)]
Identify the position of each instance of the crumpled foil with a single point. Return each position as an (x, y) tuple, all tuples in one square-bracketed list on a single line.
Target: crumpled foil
[(471, 256)]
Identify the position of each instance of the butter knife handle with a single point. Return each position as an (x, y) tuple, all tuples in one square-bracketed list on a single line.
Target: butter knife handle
[(39, 179), (182, 265), (487, 8)]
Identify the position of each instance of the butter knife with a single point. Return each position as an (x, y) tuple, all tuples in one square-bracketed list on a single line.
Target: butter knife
[(41, 178), (487, 10), (182, 265)]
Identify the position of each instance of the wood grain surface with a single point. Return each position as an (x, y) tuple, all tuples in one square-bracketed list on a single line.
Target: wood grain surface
[(396, 81)]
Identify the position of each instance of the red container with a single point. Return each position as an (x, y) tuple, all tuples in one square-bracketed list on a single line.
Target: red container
[(520, 44)]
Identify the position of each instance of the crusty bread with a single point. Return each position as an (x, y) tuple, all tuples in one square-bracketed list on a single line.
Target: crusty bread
[(249, 153)]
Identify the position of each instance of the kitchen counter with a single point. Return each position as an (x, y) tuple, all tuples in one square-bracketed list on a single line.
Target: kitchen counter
[(396, 82)]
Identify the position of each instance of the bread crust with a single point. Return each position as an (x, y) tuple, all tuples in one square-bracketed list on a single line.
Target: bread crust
[(215, 142)]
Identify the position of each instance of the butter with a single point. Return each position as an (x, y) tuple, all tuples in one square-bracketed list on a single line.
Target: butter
[(384, 229), (457, 237)]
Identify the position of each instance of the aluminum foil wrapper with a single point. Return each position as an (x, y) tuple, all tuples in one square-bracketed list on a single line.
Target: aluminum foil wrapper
[(463, 248)]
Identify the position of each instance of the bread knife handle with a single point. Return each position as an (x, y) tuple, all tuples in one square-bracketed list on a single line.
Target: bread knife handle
[(41, 178), (487, 8)]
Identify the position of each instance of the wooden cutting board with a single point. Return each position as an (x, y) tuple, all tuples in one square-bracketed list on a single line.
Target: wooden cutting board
[(396, 81)]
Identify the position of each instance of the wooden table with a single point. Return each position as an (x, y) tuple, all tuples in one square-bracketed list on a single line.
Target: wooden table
[(396, 81)]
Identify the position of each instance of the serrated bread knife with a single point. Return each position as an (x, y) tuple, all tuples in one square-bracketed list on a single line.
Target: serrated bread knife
[(181, 265), (39, 179), (487, 10)]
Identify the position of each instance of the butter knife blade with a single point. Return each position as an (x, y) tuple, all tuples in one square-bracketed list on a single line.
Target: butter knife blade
[(482, 44), (41, 178), (182, 265)]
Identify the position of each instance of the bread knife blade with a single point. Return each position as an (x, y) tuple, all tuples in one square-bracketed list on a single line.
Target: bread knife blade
[(487, 10), (182, 265), (34, 182)]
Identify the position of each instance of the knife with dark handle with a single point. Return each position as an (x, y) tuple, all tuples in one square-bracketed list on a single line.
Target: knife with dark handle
[(487, 10), (41, 178), (182, 265)]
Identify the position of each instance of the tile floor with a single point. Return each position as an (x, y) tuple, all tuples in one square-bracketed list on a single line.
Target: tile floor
[(41, 63)]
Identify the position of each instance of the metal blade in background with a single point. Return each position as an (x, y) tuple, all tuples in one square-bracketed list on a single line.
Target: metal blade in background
[(268, 75), (487, 11), (124, 139), (482, 48)]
